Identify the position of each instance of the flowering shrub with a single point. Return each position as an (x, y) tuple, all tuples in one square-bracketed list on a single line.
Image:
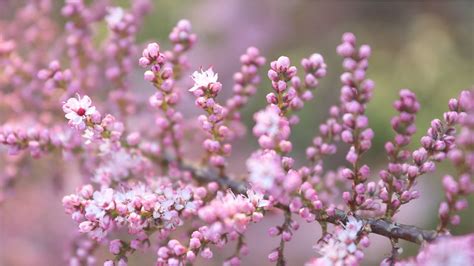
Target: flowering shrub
[(141, 189)]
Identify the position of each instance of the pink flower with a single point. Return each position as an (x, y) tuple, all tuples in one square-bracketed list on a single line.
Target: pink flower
[(115, 246), (78, 109), (267, 122), (341, 248), (114, 16), (447, 251), (206, 253), (257, 199), (203, 79), (264, 169), (353, 227)]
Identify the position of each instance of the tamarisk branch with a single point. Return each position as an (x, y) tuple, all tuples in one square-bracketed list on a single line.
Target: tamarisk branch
[(378, 226)]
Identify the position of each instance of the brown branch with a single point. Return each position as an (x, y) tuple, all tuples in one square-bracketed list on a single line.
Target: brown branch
[(389, 229), (378, 226)]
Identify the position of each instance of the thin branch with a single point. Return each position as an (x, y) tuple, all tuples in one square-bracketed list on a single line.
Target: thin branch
[(378, 226)]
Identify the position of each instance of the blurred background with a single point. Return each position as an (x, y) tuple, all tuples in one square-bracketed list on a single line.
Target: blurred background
[(426, 46)]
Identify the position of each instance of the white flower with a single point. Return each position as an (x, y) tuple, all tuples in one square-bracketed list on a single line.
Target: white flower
[(341, 247), (78, 109), (98, 234), (446, 251), (94, 212), (116, 166), (186, 194), (353, 227), (104, 198), (267, 122), (114, 16), (191, 206), (264, 168), (257, 199), (203, 79)]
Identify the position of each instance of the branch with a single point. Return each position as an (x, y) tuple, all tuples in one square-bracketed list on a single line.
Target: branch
[(378, 226), (389, 229)]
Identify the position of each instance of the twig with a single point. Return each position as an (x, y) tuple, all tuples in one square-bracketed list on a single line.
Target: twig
[(378, 226)]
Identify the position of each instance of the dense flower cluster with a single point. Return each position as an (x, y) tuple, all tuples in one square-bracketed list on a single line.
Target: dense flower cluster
[(246, 81), (404, 126), (141, 190), (37, 140), (463, 157), (445, 251), (356, 92), (120, 49), (226, 218), (400, 176), (205, 89), (163, 77), (342, 248), (272, 129), (137, 208)]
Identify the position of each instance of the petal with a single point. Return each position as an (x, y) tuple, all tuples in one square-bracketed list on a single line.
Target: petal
[(71, 115), (91, 110), (72, 103), (86, 102), (77, 120)]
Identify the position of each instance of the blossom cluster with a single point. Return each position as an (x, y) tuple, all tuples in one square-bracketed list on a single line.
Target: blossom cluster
[(120, 49), (404, 126), (161, 75), (205, 89), (182, 39), (400, 176), (463, 157), (246, 81), (356, 92), (137, 208), (37, 140), (446, 251), (226, 218), (342, 248)]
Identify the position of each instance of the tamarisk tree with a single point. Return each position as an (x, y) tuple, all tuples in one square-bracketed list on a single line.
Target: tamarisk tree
[(142, 188)]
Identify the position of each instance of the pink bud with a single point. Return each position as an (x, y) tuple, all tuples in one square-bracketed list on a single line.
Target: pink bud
[(206, 253), (273, 256), (273, 231), (346, 196), (286, 236), (149, 75)]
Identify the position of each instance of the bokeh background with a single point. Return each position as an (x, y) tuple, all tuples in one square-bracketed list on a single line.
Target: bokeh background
[(426, 46)]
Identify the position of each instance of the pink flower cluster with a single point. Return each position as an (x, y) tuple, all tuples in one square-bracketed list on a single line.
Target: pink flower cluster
[(138, 208), (37, 140), (226, 218), (83, 249), (182, 39), (205, 89), (272, 129), (163, 77), (445, 251), (79, 40), (280, 74), (246, 81), (84, 117), (342, 248), (56, 78), (462, 157), (400, 176), (120, 50), (404, 126), (356, 92)]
